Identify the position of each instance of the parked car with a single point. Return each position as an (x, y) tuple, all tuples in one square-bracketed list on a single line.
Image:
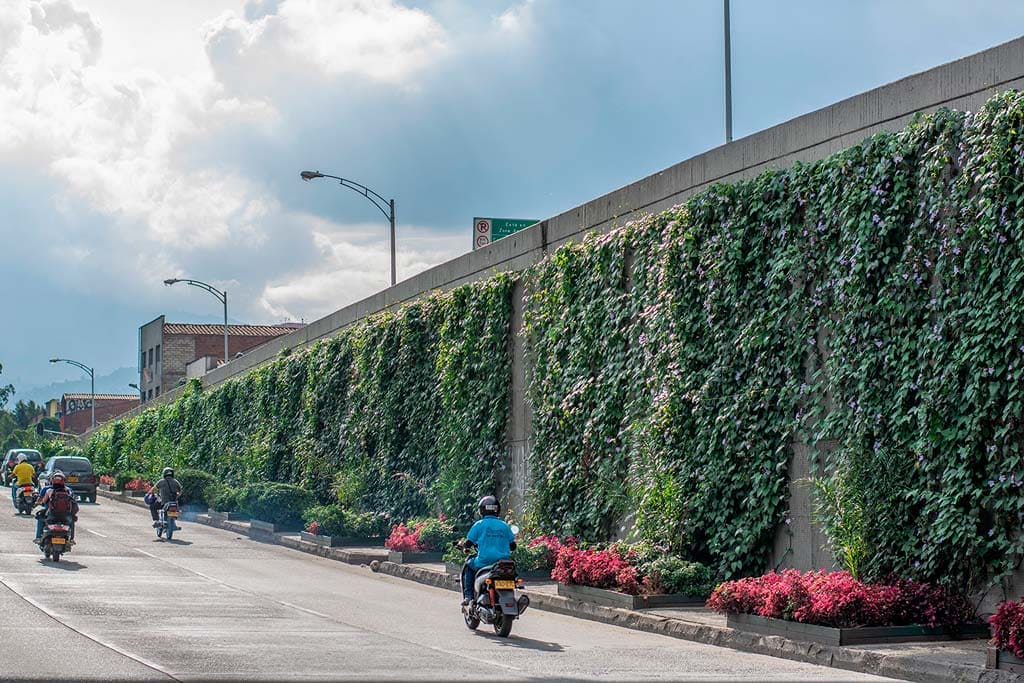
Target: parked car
[(33, 458), (78, 471)]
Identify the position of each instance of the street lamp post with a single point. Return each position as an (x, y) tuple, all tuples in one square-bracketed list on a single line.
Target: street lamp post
[(386, 206), (92, 382), (222, 296), (137, 388), (728, 77)]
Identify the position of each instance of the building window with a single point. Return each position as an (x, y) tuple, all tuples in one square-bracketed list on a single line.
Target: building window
[(149, 395), (157, 353), (158, 388), (151, 356), (142, 361)]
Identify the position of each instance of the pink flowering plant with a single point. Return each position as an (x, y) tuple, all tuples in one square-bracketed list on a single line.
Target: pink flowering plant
[(1007, 626), (839, 600), (421, 535)]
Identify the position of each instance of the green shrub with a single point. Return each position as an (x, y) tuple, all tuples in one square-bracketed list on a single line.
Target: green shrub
[(436, 534), (196, 486), (671, 574), (224, 498), (334, 520), (276, 503)]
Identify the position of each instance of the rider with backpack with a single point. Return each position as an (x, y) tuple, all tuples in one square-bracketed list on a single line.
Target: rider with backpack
[(59, 505), (164, 491)]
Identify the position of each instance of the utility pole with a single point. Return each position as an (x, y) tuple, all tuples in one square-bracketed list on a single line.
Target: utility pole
[(728, 77)]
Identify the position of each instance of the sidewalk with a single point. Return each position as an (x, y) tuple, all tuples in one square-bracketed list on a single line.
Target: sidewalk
[(961, 661)]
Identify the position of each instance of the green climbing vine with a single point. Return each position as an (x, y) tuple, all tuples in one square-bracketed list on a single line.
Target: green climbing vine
[(866, 306), (402, 413), (863, 311)]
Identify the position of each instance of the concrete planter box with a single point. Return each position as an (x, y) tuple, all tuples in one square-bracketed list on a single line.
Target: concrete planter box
[(105, 487), (1004, 661), (826, 635), (219, 516), (190, 512), (341, 541), (133, 494), (268, 527), (532, 574), (608, 598), (413, 558)]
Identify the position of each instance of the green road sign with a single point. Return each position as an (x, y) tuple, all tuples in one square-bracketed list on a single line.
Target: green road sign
[(487, 230)]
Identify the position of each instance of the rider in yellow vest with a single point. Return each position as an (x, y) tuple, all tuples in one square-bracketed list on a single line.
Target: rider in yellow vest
[(24, 474)]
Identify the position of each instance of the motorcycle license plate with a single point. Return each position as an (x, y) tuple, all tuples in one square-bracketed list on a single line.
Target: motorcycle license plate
[(57, 541), (27, 494), (505, 585), (172, 514)]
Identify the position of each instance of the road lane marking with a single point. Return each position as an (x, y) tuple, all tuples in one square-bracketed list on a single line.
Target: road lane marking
[(96, 533), (283, 603), (113, 648)]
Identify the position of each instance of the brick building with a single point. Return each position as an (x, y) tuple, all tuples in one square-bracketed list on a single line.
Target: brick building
[(76, 410), (166, 349)]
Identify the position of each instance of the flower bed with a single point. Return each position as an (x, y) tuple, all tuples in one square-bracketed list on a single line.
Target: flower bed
[(835, 608), (420, 540), (1007, 629), (637, 577), (334, 526)]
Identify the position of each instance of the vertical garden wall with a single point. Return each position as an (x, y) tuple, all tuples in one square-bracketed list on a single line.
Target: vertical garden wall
[(869, 302)]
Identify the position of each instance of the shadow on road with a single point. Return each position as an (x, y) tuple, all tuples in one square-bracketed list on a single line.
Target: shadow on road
[(522, 643), (172, 541), (66, 565)]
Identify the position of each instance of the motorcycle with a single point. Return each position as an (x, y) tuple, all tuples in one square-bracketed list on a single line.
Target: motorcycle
[(167, 523), (494, 597), (56, 540), (26, 499)]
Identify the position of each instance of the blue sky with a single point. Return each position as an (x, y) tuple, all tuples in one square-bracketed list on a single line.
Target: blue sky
[(148, 139)]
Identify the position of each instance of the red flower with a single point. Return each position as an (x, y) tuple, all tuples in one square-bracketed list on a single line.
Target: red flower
[(839, 600), (598, 568), (405, 540)]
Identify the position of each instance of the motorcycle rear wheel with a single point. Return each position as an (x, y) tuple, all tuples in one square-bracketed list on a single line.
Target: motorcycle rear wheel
[(471, 621), (170, 532), (56, 557), (503, 625)]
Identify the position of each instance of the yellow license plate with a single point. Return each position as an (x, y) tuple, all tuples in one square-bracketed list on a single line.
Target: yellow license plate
[(73, 479), (57, 541), (172, 514), (502, 585)]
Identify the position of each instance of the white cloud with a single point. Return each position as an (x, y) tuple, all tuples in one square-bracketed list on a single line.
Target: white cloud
[(351, 268), (375, 39)]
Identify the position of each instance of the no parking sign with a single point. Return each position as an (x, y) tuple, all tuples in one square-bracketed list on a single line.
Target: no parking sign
[(487, 230)]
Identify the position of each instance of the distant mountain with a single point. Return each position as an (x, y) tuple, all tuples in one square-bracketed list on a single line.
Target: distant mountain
[(114, 383)]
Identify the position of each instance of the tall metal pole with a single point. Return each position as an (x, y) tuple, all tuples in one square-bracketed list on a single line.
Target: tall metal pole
[(728, 78), (225, 326), (92, 385), (393, 279)]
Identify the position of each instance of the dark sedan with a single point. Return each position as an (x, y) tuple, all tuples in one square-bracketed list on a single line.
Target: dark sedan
[(78, 471)]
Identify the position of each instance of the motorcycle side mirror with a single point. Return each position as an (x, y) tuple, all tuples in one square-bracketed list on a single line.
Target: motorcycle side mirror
[(515, 529)]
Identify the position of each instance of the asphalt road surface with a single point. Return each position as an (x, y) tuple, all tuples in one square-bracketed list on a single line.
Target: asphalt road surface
[(212, 605)]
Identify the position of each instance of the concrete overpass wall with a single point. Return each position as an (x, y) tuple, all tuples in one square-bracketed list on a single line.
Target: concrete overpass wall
[(964, 84)]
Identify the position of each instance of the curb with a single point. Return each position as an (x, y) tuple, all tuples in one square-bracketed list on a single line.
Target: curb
[(907, 667), (137, 502)]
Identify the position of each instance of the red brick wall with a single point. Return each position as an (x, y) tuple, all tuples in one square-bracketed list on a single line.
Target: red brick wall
[(79, 421), (213, 345)]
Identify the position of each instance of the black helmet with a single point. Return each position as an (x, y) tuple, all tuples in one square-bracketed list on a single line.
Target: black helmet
[(168, 472), (489, 505)]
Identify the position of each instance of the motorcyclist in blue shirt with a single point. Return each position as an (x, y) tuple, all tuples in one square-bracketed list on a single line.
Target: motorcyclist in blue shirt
[(493, 539)]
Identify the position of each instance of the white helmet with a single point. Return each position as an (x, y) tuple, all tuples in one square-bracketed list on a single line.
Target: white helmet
[(21, 457)]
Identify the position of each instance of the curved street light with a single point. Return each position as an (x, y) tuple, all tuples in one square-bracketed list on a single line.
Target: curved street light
[(222, 296), (92, 382), (386, 206)]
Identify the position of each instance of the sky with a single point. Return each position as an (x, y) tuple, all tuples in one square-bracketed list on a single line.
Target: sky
[(141, 140)]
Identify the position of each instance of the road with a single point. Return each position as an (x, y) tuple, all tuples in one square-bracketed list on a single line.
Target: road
[(216, 606)]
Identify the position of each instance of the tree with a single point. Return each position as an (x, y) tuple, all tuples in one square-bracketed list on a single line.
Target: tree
[(24, 413), (5, 391)]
